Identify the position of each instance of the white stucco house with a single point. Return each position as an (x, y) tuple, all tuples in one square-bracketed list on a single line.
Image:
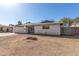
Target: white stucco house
[(75, 24), (4, 28), (39, 28)]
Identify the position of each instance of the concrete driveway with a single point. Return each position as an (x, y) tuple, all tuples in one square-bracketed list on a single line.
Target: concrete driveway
[(6, 34)]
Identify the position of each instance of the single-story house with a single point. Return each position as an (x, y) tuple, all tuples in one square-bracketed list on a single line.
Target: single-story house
[(75, 25), (40, 28), (4, 28)]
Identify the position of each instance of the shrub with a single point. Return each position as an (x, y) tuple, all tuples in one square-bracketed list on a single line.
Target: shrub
[(32, 38)]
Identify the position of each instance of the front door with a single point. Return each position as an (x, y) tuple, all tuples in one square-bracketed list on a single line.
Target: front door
[(30, 29)]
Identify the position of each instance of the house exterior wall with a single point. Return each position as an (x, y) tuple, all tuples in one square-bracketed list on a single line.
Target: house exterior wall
[(5, 29), (75, 24), (20, 30), (10, 29), (53, 30)]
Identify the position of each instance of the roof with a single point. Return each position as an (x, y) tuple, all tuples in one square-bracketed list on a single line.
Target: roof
[(42, 24), (38, 24), (3, 26), (19, 25)]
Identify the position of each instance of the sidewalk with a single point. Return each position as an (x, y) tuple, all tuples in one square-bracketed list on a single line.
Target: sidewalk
[(6, 34)]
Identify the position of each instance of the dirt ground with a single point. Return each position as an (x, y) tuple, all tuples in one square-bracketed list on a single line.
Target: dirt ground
[(18, 45), (6, 34)]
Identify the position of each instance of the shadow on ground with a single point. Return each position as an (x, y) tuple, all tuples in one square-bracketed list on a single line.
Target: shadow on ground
[(60, 36)]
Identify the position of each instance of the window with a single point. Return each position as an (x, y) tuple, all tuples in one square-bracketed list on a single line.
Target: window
[(1, 29), (45, 27)]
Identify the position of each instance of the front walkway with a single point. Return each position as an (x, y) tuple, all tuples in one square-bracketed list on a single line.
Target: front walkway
[(6, 34)]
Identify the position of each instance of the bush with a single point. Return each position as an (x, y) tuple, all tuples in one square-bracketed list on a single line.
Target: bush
[(32, 38)]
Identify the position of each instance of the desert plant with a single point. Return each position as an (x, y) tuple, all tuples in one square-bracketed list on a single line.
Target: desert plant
[(32, 38)]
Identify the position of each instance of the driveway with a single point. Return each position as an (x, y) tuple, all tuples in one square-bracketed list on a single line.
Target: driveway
[(6, 34)]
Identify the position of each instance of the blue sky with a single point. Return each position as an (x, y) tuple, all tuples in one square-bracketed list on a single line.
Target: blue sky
[(37, 12)]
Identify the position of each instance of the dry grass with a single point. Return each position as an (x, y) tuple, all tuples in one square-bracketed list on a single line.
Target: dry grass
[(44, 46)]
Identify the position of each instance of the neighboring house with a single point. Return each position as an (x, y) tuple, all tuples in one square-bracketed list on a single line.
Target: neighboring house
[(76, 27), (41, 28), (75, 24), (19, 29), (4, 28)]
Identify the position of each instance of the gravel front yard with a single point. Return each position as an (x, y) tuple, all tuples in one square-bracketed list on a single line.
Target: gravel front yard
[(19, 45)]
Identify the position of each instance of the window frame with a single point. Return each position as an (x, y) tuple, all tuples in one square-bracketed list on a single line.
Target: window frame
[(45, 27)]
